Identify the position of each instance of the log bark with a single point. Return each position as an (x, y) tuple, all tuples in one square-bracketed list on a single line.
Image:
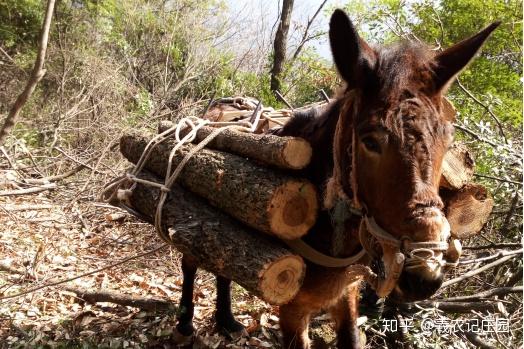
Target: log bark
[(467, 210), (457, 168), (220, 244), (266, 200), (283, 152)]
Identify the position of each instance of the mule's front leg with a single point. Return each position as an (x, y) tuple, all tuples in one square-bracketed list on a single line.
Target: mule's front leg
[(294, 323), (224, 318), (345, 314), (184, 326)]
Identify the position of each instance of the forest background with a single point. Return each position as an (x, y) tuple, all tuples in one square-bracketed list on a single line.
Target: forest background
[(113, 66)]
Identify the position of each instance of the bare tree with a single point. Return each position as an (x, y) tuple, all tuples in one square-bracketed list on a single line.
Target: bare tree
[(280, 44), (36, 75)]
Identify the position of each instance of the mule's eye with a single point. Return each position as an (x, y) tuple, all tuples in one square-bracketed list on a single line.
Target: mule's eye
[(371, 144)]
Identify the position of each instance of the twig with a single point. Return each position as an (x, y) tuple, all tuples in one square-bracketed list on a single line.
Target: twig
[(55, 178), (83, 163), (488, 109), (497, 179), (485, 247), (33, 190), (483, 139), (15, 208), (500, 291), (305, 37), (488, 258), (62, 281), (451, 307), (150, 304), (36, 75), (477, 271)]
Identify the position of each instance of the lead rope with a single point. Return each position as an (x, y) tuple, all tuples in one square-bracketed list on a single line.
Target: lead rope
[(118, 191)]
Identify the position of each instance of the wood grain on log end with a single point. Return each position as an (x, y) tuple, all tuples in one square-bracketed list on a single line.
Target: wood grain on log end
[(282, 279), (293, 209), (467, 210), (457, 167), (297, 153)]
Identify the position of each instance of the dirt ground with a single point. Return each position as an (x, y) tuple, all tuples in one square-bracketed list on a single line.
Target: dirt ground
[(52, 236)]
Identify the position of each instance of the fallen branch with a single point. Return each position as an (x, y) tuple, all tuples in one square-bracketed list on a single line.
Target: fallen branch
[(34, 190), (477, 271), (62, 281), (149, 304), (452, 307), (500, 291), (486, 247), (488, 258), (55, 178)]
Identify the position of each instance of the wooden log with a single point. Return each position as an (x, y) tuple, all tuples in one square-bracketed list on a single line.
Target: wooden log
[(259, 263), (467, 210), (283, 152), (457, 167), (266, 200)]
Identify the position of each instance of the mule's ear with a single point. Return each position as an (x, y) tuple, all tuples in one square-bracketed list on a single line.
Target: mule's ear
[(451, 61), (351, 54)]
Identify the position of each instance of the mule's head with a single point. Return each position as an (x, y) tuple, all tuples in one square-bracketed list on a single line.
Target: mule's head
[(392, 134)]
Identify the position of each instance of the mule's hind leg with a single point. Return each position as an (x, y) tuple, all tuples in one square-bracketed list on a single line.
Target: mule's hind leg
[(224, 318), (186, 308), (345, 314), (294, 323)]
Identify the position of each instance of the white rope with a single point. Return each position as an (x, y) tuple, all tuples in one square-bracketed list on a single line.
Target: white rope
[(121, 188)]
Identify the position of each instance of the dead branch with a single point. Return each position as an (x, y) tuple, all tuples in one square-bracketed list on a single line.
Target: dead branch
[(488, 109), (477, 271), (149, 304), (485, 247), (62, 281), (452, 307), (36, 75), (14, 208), (500, 291), (55, 178), (487, 258), (305, 36), (34, 190)]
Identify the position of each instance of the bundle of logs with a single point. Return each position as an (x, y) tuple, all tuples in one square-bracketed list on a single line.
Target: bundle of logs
[(236, 199)]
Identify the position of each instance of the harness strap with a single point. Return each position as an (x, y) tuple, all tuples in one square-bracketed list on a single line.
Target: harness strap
[(314, 256)]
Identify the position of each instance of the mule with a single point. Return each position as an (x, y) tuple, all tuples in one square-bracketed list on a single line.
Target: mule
[(377, 149)]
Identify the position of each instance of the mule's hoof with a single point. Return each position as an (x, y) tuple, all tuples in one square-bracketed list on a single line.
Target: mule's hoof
[(232, 330), (181, 339)]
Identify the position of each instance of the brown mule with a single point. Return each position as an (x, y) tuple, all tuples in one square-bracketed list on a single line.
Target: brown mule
[(379, 146)]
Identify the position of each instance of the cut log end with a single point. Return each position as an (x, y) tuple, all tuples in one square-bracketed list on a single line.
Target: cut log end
[(457, 167), (293, 209), (468, 210), (281, 280), (297, 153)]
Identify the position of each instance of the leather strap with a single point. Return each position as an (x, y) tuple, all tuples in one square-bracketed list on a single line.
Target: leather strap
[(314, 256)]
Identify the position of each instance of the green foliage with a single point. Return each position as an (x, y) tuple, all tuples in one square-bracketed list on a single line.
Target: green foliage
[(20, 22)]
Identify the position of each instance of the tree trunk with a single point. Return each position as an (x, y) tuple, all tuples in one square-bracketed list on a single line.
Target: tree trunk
[(266, 200), (467, 209), (280, 44), (283, 152), (222, 245)]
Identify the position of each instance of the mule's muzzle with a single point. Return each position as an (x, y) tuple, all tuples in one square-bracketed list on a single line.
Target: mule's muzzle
[(414, 286)]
